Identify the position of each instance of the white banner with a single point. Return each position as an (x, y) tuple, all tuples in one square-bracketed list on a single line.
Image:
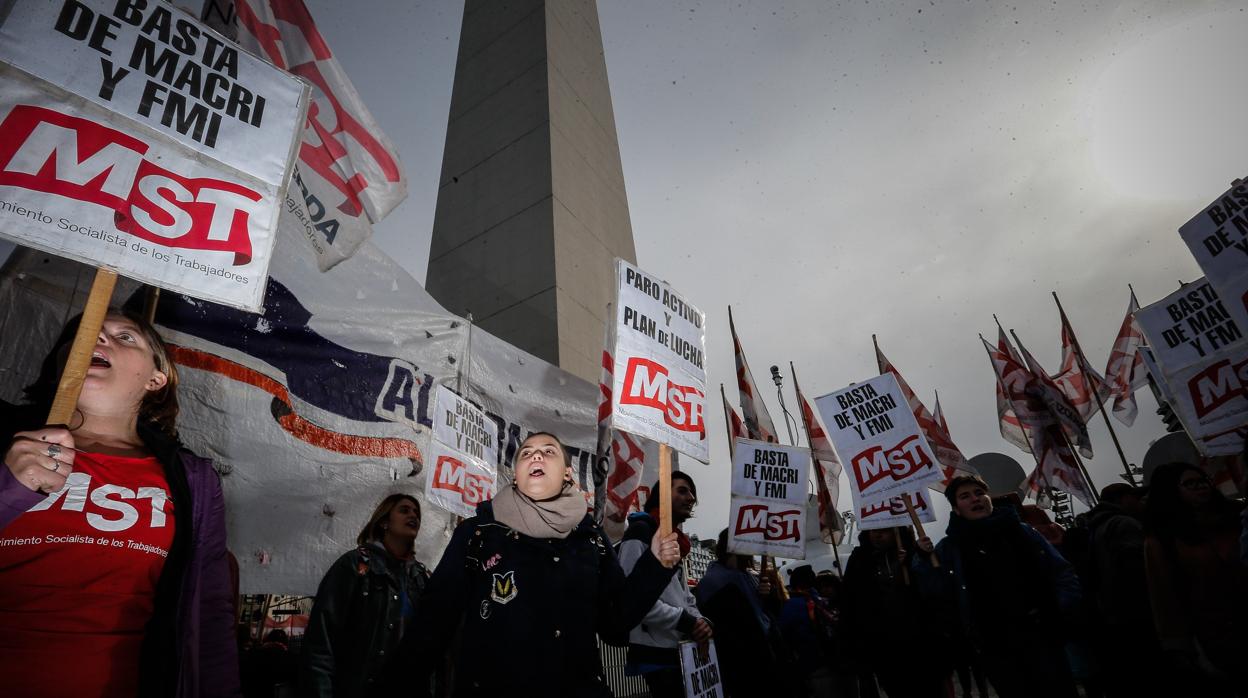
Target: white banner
[(878, 440), (1218, 239), (893, 512), (458, 482), (659, 379), (136, 138), (464, 427), (324, 404), (1200, 351), (701, 677), (348, 176)]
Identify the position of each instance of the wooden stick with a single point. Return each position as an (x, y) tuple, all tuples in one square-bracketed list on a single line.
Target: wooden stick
[(905, 571), (67, 391), (665, 489), (918, 525), (151, 299)]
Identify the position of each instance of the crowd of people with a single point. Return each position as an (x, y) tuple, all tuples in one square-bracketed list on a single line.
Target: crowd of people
[(1145, 595)]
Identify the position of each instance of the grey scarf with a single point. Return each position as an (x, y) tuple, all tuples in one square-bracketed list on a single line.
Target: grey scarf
[(549, 518)]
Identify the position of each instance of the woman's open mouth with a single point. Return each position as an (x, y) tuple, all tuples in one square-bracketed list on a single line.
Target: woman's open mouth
[(100, 359)]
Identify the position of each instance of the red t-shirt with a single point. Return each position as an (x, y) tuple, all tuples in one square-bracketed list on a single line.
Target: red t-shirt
[(78, 576)]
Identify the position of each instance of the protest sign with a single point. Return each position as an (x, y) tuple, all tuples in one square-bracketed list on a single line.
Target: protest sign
[(702, 678), (659, 377), (1198, 350), (878, 439), (464, 453), (769, 495), (137, 139), (892, 513), (1218, 239)]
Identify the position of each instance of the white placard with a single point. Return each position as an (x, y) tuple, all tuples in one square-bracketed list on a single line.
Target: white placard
[(771, 471), (133, 137), (456, 482), (878, 440), (893, 512), (464, 427), (1199, 351), (702, 678), (767, 527), (659, 377), (1218, 239)]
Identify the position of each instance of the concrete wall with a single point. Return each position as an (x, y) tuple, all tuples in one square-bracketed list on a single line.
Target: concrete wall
[(532, 208)]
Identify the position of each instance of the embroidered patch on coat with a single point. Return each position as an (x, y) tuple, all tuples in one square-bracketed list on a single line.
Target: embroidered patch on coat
[(485, 610), (504, 588)]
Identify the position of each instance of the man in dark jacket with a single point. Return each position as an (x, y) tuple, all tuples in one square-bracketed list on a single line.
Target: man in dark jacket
[(881, 609), (743, 611), (1011, 589)]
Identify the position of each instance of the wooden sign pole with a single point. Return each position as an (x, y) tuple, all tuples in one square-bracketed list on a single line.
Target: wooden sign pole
[(665, 489), (918, 525), (67, 391)]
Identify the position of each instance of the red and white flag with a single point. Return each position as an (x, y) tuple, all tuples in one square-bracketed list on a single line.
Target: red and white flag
[(348, 176), (1067, 416), (952, 462), (625, 457), (1005, 358), (827, 471), (1080, 383), (757, 422), (1125, 372), (736, 427), (1055, 465)]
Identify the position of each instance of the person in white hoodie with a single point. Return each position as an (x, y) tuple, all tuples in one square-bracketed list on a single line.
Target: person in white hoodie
[(653, 646)]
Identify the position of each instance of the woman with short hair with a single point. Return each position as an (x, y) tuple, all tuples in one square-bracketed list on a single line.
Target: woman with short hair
[(529, 582), (365, 603)]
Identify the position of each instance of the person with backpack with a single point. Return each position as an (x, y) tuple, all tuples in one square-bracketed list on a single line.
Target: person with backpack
[(654, 644), (364, 604), (523, 588)]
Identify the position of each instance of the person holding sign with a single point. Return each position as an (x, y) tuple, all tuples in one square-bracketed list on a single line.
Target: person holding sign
[(113, 556), (364, 604), (528, 582), (1011, 590), (654, 645)]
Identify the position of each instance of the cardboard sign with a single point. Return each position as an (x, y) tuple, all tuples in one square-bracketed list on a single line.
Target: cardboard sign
[(456, 482), (767, 511), (659, 376), (770, 471), (1198, 348), (702, 678), (1218, 239), (134, 137), (893, 512), (878, 440), (464, 452)]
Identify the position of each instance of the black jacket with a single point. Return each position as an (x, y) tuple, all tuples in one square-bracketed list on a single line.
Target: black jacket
[(528, 610), (357, 621)]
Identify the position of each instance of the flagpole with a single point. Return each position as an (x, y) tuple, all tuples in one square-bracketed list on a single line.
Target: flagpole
[(732, 443), (1083, 361), (821, 486)]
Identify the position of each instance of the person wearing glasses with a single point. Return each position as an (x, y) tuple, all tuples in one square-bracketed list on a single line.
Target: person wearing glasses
[(1197, 585)]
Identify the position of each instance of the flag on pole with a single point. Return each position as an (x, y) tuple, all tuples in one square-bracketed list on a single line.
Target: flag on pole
[(938, 415), (623, 453), (1067, 416), (757, 422), (1012, 428), (1055, 465), (348, 176), (952, 462), (1083, 387), (1125, 372), (827, 471)]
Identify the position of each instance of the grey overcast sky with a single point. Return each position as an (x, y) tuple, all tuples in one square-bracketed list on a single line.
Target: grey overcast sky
[(838, 169)]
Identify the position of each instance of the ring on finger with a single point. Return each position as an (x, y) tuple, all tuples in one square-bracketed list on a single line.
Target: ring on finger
[(56, 466), (54, 450)]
